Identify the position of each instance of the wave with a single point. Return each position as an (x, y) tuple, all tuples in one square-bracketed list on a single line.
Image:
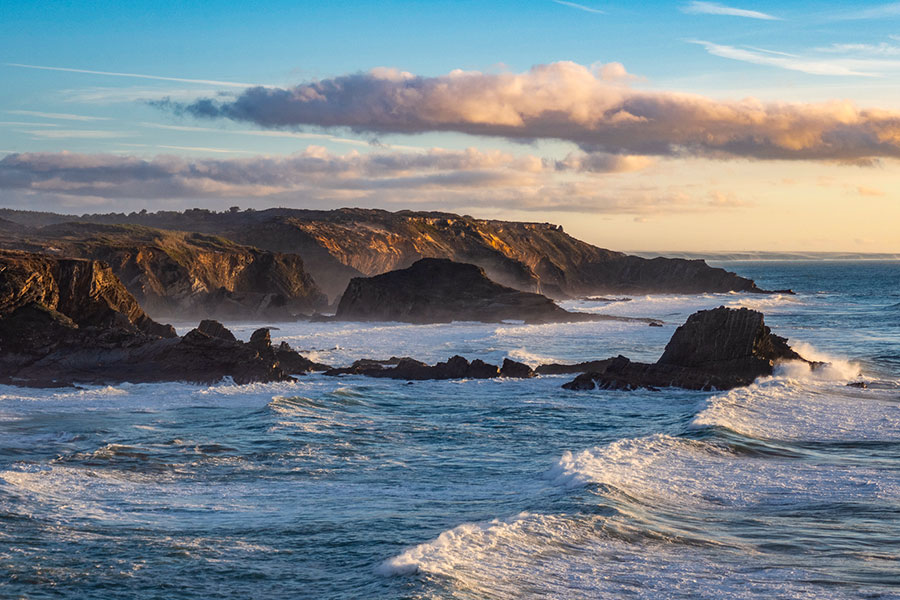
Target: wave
[(591, 557)]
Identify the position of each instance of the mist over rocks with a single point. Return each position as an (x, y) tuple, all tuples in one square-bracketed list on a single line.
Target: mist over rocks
[(722, 348), (438, 290)]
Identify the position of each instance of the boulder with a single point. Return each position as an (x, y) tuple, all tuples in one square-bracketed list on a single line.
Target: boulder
[(455, 367), (515, 369)]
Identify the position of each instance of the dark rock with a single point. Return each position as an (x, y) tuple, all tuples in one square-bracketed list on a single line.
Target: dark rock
[(715, 349), (293, 362), (858, 384), (515, 369), (456, 367), (655, 324), (583, 382), (727, 340), (439, 290), (65, 321), (261, 341), (216, 330), (584, 367)]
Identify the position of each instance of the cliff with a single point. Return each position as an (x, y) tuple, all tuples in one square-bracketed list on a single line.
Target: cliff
[(185, 274), (341, 244), (66, 321)]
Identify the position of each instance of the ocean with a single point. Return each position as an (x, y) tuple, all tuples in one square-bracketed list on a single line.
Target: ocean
[(360, 488)]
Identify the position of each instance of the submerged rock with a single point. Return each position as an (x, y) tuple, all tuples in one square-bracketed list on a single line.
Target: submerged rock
[(720, 349)]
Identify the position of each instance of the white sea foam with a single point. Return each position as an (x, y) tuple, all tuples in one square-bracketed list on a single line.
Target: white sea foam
[(690, 474), (582, 557)]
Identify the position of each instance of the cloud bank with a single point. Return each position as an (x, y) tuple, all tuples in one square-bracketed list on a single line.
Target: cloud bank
[(434, 179), (594, 108)]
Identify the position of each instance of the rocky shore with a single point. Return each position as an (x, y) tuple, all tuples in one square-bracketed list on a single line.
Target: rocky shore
[(69, 321)]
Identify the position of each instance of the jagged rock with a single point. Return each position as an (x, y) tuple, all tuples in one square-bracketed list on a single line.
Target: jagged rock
[(183, 273), (456, 367), (515, 369), (293, 362), (65, 321), (583, 367), (216, 330), (437, 290), (261, 341), (719, 349)]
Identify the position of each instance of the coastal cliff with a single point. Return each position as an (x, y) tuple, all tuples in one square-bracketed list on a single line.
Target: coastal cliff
[(185, 274), (65, 321), (339, 245)]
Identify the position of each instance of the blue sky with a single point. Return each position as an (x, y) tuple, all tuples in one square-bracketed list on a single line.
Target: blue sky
[(799, 52)]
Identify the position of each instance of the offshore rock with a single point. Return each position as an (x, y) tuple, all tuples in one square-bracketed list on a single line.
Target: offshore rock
[(456, 367), (515, 369), (437, 290), (718, 349)]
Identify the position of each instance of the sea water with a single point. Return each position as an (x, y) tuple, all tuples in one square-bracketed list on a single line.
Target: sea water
[(362, 488)]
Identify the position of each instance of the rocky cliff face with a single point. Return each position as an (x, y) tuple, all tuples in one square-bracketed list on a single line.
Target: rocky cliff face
[(341, 244), (65, 321), (186, 274), (84, 291)]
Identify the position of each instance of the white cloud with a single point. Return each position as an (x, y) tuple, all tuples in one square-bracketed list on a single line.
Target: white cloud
[(713, 8)]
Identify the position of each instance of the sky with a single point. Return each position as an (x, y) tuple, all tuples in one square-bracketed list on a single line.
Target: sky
[(652, 126)]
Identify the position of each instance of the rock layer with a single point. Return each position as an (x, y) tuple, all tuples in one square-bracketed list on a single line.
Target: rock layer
[(341, 244), (185, 274)]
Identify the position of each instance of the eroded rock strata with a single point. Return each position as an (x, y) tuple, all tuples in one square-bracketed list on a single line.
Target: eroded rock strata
[(183, 273), (338, 245), (719, 349), (68, 321)]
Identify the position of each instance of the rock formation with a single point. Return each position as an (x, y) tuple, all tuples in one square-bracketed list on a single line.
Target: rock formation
[(437, 290), (341, 244), (719, 349), (67, 321), (184, 274), (456, 367)]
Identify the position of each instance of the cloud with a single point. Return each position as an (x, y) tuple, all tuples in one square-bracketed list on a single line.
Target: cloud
[(63, 116), (135, 75), (437, 178), (579, 7), (566, 101), (713, 8), (87, 134), (792, 62)]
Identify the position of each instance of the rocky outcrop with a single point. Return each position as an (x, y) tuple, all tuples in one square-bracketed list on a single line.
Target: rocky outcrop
[(410, 369), (185, 274), (719, 349), (68, 321), (435, 290), (86, 292), (341, 244)]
